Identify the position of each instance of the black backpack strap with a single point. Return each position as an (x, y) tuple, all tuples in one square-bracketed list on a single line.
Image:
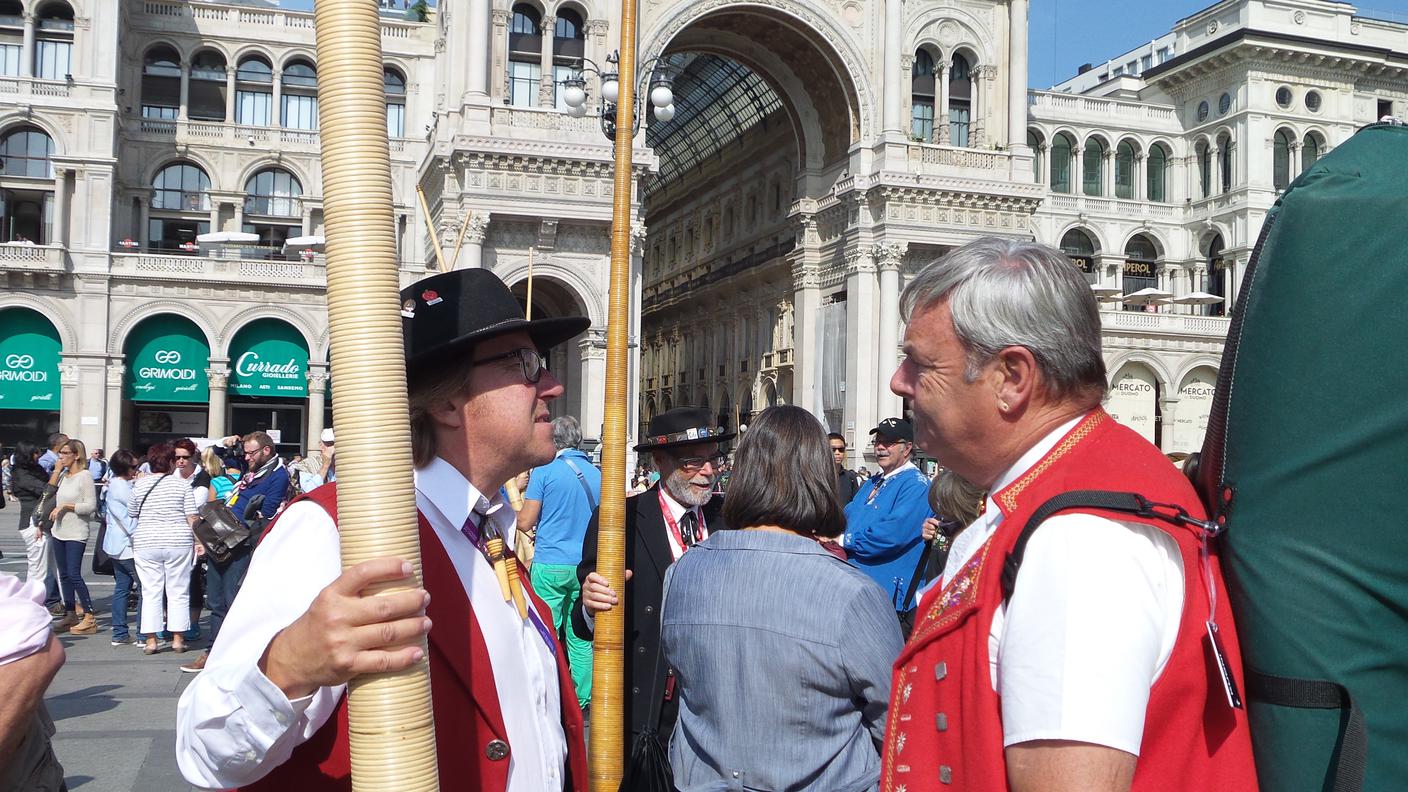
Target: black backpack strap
[(1126, 502), (1353, 743)]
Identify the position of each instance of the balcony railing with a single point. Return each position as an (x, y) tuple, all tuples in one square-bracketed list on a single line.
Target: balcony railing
[(1113, 206), (18, 88), (507, 119), (257, 18), (1165, 323), (219, 270), (31, 258), (1065, 105), (239, 135), (931, 154)]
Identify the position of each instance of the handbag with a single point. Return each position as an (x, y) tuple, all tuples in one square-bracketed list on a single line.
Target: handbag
[(44, 508), (219, 531), (649, 767), (102, 562)]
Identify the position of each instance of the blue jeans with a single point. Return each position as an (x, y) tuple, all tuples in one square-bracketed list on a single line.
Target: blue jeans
[(71, 574), (51, 584), (222, 583), (124, 576)]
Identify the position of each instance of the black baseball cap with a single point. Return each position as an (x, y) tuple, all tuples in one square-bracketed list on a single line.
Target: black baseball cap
[(895, 428)]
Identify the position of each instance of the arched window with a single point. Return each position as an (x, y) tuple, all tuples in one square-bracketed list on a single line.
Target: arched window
[(1062, 155), (274, 192), (1140, 266), (1204, 169), (254, 98), (1093, 167), (921, 85), (1216, 276), (26, 207), (525, 50), (161, 83), (1156, 173), (395, 102), (1281, 159), (300, 98), (1309, 152), (180, 207), (1124, 170), (1036, 144), (569, 45), (53, 45), (11, 37), (1079, 247), (207, 89), (960, 100), (1225, 147)]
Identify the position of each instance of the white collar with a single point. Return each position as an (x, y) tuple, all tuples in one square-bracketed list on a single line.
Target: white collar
[(1029, 459), (677, 509), (451, 492), (898, 470)]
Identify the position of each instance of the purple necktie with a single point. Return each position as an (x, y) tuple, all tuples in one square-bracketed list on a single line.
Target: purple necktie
[(471, 531)]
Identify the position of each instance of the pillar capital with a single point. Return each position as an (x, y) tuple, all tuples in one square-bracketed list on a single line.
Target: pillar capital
[(890, 255), (859, 261), (115, 374), (478, 227), (318, 380), (218, 377)]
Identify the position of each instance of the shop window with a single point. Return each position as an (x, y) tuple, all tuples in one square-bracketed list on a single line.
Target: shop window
[(1140, 267)]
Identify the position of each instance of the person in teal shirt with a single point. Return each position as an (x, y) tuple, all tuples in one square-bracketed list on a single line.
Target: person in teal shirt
[(556, 509), (885, 520)]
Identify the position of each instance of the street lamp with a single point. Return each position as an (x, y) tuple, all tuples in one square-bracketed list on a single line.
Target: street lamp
[(661, 96)]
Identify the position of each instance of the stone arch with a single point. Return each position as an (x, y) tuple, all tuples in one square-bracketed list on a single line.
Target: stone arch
[(296, 54), (1153, 363), (1212, 231), (57, 312), (1160, 244), (968, 31), (123, 326), (221, 347), (1089, 230), (589, 302), (265, 163), (841, 65), (1135, 401), (1191, 366), (240, 53), (13, 120), (190, 157)]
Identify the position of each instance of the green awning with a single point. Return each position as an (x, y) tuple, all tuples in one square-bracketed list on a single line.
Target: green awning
[(166, 360), (29, 361), (269, 358)]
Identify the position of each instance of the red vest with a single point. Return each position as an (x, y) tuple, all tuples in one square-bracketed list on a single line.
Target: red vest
[(464, 699), (944, 729)]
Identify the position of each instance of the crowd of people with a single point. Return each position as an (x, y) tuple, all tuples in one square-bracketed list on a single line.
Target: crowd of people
[(802, 628)]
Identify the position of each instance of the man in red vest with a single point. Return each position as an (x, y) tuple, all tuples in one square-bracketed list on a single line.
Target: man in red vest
[(268, 712), (1095, 670)]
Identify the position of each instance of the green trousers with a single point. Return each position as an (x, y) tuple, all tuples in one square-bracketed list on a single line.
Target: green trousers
[(557, 585)]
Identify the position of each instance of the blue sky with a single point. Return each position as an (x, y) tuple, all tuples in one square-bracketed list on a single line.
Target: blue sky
[(1067, 33)]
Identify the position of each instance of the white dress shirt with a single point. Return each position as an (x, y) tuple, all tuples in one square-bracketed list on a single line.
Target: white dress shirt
[(677, 511), (234, 725), (1090, 626)]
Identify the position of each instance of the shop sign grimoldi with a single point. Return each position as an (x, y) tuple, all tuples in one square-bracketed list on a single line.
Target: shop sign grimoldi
[(166, 359), (269, 358), (29, 361)]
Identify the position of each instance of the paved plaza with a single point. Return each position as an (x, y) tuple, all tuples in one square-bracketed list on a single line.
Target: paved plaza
[(114, 707)]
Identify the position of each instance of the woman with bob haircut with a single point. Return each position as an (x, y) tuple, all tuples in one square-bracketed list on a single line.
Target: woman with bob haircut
[(775, 690)]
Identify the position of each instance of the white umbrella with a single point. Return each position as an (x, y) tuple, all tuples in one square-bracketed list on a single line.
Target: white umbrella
[(1110, 298), (301, 242), (1100, 290), (1198, 298), (227, 238), (1147, 296)]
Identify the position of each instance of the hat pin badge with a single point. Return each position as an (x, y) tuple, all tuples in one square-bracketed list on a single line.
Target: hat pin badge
[(408, 309), (431, 297)]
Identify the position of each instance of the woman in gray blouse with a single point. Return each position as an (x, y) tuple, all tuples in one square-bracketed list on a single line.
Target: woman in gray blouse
[(75, 506), (782, 652)]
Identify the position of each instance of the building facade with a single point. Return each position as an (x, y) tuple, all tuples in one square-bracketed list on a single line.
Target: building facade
[(162, 220)]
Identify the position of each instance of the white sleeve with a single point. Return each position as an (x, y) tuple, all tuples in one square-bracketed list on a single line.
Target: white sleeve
[(1087, 632), (232, 724)]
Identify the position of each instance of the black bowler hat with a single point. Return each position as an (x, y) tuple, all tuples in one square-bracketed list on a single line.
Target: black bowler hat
[(682, 426), (445, 315), (895, 429)]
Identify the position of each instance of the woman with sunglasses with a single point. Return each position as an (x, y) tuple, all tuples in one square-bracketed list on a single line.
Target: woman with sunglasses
[(776, 692), (74, 507)]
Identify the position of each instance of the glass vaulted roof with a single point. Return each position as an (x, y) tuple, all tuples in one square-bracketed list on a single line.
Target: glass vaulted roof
[(717, 102)]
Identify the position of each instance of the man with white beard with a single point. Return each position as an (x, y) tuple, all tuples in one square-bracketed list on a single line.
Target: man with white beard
[(661, 524)]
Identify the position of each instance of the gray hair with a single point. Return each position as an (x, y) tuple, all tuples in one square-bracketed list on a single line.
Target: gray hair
[(566, 432), (1005, 292)]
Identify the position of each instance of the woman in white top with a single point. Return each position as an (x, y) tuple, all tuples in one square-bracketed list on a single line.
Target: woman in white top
[(164, 506), (117, 542), (75, 505)]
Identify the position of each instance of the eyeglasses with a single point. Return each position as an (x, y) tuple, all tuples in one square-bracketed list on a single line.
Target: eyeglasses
[(838, 449), (528, 358), (887, 442), (183, 456), (65, 452), (693, 464), (255, 452)]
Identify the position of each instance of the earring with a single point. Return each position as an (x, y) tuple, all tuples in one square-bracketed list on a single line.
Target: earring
[(1002, 406)]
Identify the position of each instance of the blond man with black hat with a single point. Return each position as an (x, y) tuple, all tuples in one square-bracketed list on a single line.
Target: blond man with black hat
[(885, 519), (663, 523), (269, 712)]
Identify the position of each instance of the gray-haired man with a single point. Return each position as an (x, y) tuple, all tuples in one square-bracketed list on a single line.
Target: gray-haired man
[(558, 505)]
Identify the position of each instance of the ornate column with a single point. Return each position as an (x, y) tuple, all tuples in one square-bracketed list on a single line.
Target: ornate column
[(1168, 408), (144, 215), (1214, 171), (890, 257), (230, 94), (591, 408), (1017, 75), (215, 214), (1139, 188), (219, 379), (1078, 173), (860, 340), (479, 47), (112, 405), (185, 90), (276, 114), (472, 257), (941, 109), (59, 231), (27, 47), (894, 17), (982, 101), (547, 96), (317, 402), (1107, 173), (498, 79)]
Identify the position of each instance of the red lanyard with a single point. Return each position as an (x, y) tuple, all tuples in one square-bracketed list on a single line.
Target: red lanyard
[(675, 527)]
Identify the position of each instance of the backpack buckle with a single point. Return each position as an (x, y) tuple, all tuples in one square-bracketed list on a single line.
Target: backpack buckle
[(1173, 513)]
